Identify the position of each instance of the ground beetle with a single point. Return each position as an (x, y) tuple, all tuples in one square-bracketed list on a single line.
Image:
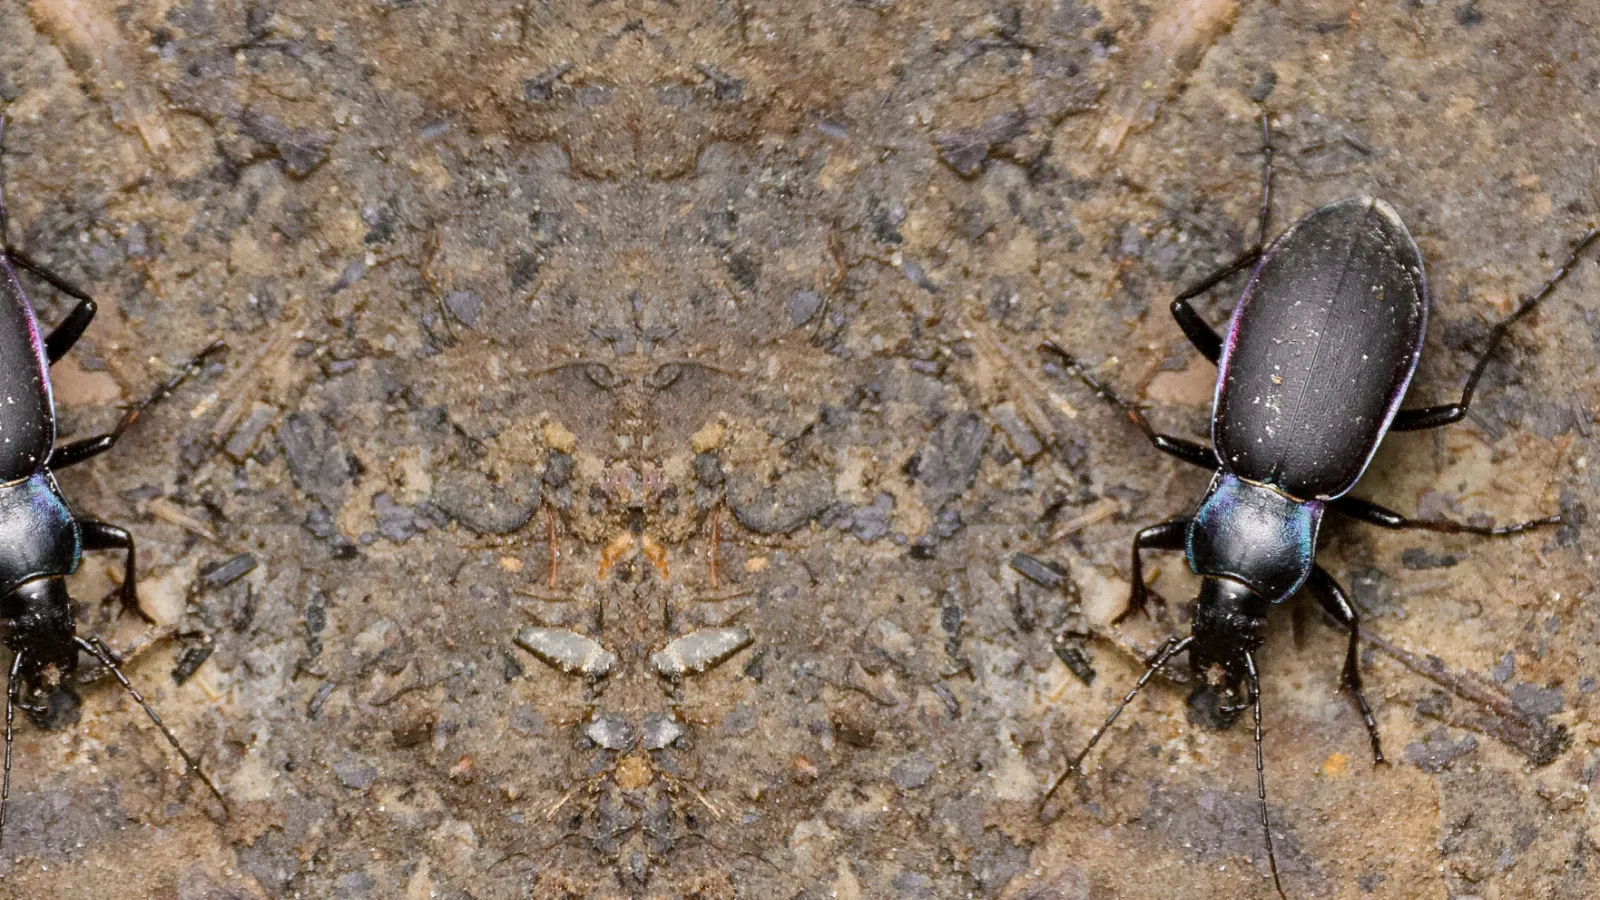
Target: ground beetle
[(41, 538), (1319, 352)]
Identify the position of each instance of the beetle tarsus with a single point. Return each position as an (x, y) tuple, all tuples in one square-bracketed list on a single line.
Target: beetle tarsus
[(1335, 602), (98, 535), (1168, 535), (1383, 517), (1266, 181), (1437, 416), (1211, 347), (1190, 452), (88, 448), (1238, 264)]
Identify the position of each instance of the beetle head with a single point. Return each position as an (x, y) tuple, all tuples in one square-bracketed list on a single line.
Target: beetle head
[(41, 628), (1227, 624)]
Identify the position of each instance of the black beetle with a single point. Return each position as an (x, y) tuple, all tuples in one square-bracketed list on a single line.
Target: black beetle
[(41, 538), (1319, 352)]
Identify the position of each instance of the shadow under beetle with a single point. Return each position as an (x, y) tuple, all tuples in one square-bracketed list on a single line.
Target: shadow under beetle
[(41, 538), (1317, 358)]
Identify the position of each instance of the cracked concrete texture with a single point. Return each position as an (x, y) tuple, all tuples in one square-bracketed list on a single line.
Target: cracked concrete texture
[(630, 319)]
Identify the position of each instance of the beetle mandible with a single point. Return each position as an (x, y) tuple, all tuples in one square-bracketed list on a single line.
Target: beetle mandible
[(41, 538), (1317, 357)]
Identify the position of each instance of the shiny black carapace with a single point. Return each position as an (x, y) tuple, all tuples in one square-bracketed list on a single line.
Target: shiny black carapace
[(41, 538), (1317, 358)]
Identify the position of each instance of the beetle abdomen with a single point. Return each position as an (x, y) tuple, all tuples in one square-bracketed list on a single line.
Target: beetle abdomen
[(1320, 350), (27, 412)]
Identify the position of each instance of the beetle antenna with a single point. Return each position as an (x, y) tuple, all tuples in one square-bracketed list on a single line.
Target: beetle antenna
[(98, 649), (1261, 775), (11, 712), (1501, 327), (1171, 648)]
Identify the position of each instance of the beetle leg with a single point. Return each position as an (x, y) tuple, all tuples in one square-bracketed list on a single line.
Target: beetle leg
[(1190, 452), (82, 451), (1169, 535), (1429, 416), (1243, 260), (1435, 416), (68, 332), (64, 335), (88, 448), (98, 535), (22, 260), (1239, 263), (1197, 330), (1266, 180), (27, 263), (1383, 517), (1333, 601)]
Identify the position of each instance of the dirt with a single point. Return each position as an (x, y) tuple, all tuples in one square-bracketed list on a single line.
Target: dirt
[(662, 325)]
